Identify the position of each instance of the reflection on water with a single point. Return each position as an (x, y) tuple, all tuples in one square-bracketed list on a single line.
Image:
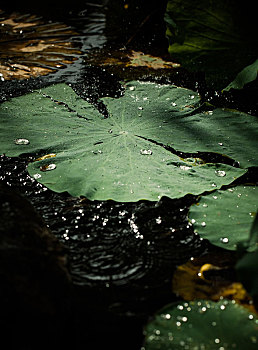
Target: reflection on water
[(112, 243)]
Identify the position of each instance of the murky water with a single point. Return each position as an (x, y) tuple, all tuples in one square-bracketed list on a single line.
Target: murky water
[(121, 255)]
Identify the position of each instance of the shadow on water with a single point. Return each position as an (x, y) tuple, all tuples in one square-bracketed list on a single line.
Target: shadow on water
[(121, 255)]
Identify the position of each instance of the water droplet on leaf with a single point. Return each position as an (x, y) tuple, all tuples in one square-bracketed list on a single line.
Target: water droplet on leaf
[(21, 141), (220, 173), (145, 151)]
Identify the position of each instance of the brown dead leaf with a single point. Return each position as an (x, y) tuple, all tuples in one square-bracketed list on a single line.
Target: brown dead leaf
[(203, 278), (139, 59), (30, 46), (130, 58)]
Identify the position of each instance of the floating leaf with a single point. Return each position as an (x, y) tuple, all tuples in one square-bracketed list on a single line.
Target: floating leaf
[(130, 64), (228, 216), (131, 58), (216, 37), (31, 47), (202, 325), (127, 156), (139, 59)]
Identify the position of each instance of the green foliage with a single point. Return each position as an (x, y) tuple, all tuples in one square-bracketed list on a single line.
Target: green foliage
[(247, 266), (247, 75), (202, 325), (225, 217), (216, 37), (122, 157)]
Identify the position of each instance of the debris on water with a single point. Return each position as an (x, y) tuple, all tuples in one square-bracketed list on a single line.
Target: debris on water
[(47, 167), (50, 155), (21, 141), (146, 151)]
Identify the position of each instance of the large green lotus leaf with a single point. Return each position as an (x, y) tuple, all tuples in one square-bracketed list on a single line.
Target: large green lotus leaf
[(122, 157), (202, 325), (217, 37), (225, 217)]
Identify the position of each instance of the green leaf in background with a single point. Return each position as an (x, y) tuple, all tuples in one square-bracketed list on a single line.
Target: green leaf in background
[(122, 157), (247, 266), (247, 272), (202, 325), (225, 217), (247, 75), (216, 37)]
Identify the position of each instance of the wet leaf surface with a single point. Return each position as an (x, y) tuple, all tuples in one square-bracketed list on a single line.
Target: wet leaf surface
[(127, 156), (225, 217), (202, 324), (31, 47)]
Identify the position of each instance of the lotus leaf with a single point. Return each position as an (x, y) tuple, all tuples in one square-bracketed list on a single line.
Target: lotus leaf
[(202, 325), (131, 154), (225, 217)]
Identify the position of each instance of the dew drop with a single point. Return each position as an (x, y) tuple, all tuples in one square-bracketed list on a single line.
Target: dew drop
[(217, 340), (184, 167), (47, 167), (251, 317), (158, 220), (140, 108), (145, 151), (173, 104), (203, 224), (37, 176), (132, 88), (220, 173), (224, 239), (21, 141), (220, 143)]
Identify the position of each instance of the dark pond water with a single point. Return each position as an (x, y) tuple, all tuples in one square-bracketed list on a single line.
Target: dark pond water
[(121, 255)]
